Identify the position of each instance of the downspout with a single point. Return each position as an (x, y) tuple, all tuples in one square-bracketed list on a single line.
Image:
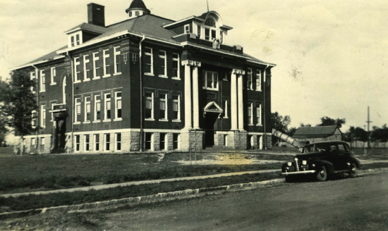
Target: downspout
[(38, 111), (141, 92), (72, 100), (264, 108)]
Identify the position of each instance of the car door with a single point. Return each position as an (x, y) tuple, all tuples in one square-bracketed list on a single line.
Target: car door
[(335, 156)]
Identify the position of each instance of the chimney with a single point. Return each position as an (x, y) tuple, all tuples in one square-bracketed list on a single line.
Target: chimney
[(96, 14)]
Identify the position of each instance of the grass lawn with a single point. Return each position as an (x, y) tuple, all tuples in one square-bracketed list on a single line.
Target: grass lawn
[(44, 172)]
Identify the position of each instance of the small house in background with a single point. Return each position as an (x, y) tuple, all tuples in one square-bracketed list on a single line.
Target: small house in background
[(317, 134)]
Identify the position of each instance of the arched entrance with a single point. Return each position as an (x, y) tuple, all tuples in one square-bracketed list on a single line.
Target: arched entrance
[(211, 113)]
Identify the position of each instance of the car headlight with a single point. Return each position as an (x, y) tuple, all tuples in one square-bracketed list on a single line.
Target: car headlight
[(289, 164), (304, 162)]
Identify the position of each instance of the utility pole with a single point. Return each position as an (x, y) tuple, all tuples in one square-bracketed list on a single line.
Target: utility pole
[(367, 133)]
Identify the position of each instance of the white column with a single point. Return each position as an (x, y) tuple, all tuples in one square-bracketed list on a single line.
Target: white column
[(240, 103), (196, 114), (187, 100), (233, 101)]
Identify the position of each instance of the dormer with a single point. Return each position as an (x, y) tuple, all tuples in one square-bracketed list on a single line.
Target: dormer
[(86, 31), (136, 9), (209, 26)]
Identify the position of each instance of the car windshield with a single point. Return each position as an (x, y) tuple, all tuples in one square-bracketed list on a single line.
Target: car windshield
[(316, 148)]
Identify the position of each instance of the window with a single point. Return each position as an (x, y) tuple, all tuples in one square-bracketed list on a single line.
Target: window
[(106, 63), (225, 140), (163, 141), (163, 107), (43, 116), (97, 108), (42, 81), (77, 111), (118, 141), (130, 13), (163, 64), (258, 80), (53, 74), (225, 103), (251, 143), (87, 113), (176, 115), (148, 141), (213, 34), (210, 80), (118, 105), (107, 114), (53, 103), (77, 143), (175, 140), (42, 142), (32, 77), (149, 107), (86, 68), (250, 112), (117, 61), (72, 41), (175, 66), (33, 119), (107, 142), (77, 39), (77, 71), (86, 142), (207, 33), (258, 114), (249, 79), (199, 31), (187, 29), (136, 13), (96, 69), (96, 142), (148, 61)]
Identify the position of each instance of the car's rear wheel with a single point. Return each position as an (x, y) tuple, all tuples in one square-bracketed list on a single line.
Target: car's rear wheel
[(322, 174), (353, 170)]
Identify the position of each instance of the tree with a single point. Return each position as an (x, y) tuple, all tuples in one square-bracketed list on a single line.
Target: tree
[(326, 121), (356, 134), (279, 122), (17, 103), (380, 134)]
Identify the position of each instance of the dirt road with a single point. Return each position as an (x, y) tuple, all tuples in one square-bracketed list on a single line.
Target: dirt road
[(345, 204)]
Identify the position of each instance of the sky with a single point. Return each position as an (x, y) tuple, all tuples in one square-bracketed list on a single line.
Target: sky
[(331, 55)]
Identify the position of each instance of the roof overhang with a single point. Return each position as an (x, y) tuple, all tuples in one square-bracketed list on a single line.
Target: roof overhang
[(37, 62)]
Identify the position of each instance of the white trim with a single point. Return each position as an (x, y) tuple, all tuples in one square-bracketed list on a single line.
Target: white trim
[(53, 74), (152, 60), (163, 57), (95, 66), (105, 65), (116, 106), (106, 100), (42, 84), (76, 63), (115, 54), (86, 61)]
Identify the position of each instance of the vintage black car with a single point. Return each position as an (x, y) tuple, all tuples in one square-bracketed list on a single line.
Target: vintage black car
[(322, 160)]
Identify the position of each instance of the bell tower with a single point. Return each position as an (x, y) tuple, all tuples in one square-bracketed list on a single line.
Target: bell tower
[(137, 8)]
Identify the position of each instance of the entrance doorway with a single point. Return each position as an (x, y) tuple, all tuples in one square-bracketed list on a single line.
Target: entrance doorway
[(210, 120)]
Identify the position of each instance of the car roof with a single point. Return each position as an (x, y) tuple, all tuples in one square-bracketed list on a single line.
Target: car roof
[(328, 142)]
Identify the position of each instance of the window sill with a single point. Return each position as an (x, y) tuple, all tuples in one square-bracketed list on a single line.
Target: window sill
[(115, 74), (107, 120), (42, 91), (119, 119), (77, 123), (176, 78), (149, 119), (86, 80), (251, 125), (259, 90), (96, 121), (79, 81), (106, 76), (163, 120), (210, 89), (53, 84), (163, 76), (176, 121), (149, 74), (259, 124), (97, 77), (86, 122)]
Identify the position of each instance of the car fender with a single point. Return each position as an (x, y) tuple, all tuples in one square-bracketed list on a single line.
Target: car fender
[(356, 161), (329, 166)]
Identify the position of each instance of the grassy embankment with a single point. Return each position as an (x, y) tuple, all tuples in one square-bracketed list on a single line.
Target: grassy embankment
[(32, 173)]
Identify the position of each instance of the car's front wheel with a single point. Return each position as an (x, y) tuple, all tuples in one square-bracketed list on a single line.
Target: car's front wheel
[(322, 173), (353, 170)]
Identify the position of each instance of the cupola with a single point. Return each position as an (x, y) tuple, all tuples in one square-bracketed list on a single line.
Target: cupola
[(136, 9)]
